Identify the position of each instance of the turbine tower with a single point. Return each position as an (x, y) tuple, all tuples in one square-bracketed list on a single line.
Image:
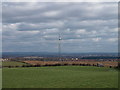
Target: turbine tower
[(59, 47)]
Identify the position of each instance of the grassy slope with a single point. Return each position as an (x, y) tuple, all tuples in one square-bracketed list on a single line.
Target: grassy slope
[(12, 63), (60, 77), (0, 78)]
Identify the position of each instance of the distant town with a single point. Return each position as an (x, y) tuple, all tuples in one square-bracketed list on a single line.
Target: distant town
[(107, 60)]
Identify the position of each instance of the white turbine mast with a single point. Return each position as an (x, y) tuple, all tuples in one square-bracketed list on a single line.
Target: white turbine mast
[(59, 47)]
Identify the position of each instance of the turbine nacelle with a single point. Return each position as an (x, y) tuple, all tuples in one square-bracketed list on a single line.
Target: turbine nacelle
[(60, 38)]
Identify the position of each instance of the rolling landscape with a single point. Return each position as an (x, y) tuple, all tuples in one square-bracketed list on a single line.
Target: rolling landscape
[(59, 45), (34, 72)]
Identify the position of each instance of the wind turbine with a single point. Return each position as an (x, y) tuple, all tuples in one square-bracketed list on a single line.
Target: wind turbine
[(59, 47)]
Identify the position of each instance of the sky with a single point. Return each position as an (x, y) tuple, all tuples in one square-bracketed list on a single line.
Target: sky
[(83, 26)]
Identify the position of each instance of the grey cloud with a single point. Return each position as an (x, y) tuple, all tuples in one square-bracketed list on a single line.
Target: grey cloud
[(39, 24)]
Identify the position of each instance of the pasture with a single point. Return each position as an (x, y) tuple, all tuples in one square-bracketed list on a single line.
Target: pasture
[(60, 77), (12, 63)]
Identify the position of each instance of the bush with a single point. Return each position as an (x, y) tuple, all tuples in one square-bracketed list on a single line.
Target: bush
[(119, 65), (23, 65), (9, 66), (16, 66), (66, 64), (110, 66)]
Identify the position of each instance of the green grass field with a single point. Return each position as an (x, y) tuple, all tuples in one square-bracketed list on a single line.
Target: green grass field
[(60, 77), (12, 63)]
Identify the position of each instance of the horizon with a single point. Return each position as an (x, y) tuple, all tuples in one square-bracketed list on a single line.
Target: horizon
[(66, 52)]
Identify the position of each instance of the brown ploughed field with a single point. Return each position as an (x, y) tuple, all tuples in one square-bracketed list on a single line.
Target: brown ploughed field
[(92, 63)]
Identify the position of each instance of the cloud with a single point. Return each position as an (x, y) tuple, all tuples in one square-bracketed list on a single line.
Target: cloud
[(38, 25), (96, 39), (81, 31), (113, 39)]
